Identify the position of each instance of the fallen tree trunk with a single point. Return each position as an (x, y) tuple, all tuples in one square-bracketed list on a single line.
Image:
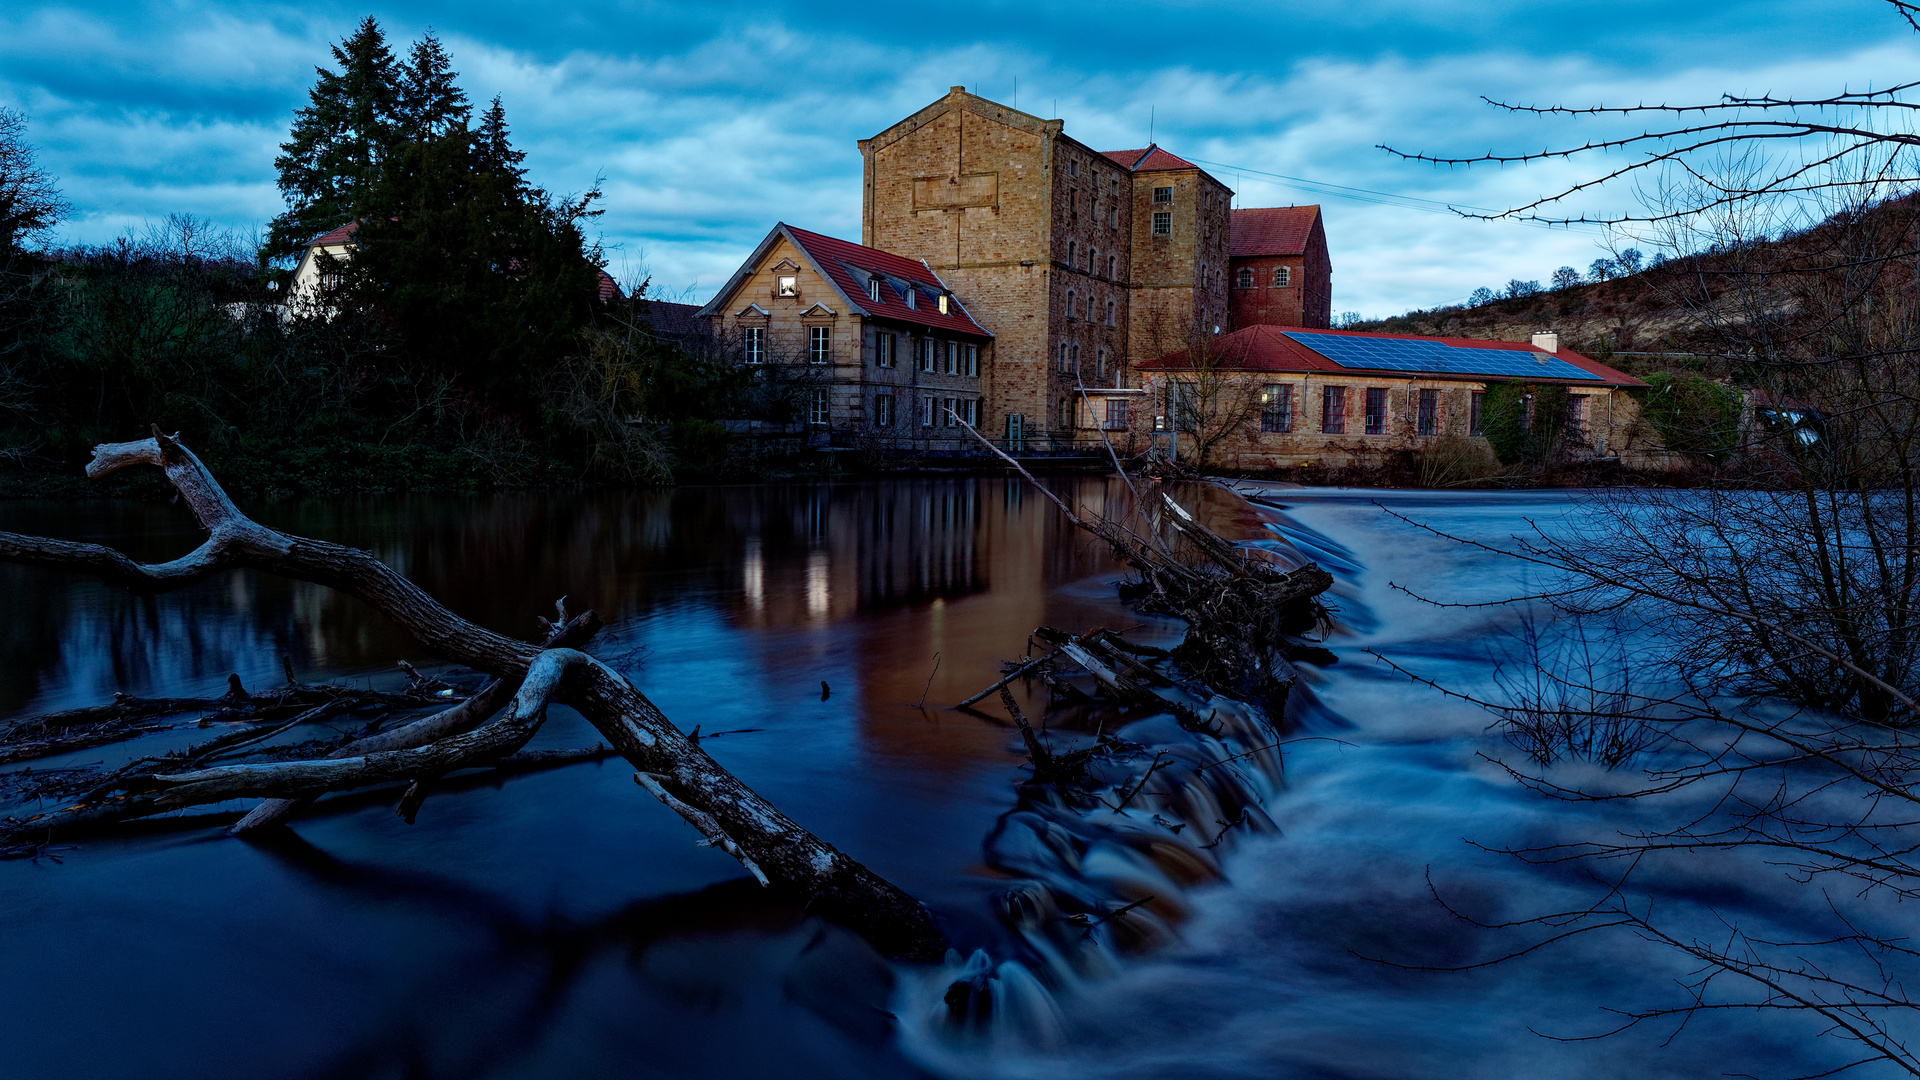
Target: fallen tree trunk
[(787, 857)]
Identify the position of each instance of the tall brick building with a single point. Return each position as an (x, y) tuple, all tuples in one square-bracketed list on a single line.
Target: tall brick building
[(1281, 274), (1080, 264)]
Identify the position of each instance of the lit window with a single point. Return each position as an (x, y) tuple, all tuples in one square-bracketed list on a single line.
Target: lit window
[(1283, 277), (819, 344), (1276, 407), (817, 413), (1163, 194), (1162, 223), (943, 303), (1244, 279), (883, 410), (1376, 410), (754, 344), (1333, 410), (787, 285)]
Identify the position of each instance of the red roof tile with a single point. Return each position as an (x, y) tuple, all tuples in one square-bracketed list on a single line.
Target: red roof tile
[(1272, 230), (1151, 159), (1268, 348), (338, 236), (851, 265)]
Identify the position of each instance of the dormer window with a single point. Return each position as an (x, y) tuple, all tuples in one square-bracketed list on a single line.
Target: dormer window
[(786, 285), (913, 296), (943, 303), (873, 289)]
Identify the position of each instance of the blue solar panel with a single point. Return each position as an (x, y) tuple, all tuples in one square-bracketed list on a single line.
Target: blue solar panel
[(1400, 354)]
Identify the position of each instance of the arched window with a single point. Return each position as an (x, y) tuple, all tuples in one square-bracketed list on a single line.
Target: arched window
[(1109, 313), (1113, 261), (1070, 261), (1069, 303), (1283, 277), (1244, 279), (1093, 260)]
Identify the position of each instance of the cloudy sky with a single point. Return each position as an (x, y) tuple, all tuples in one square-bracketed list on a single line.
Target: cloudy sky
[(709, 121)]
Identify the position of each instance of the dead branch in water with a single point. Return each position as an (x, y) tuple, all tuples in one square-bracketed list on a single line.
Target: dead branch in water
[(770, 845)]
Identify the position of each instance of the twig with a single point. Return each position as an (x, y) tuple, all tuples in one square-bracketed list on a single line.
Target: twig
[(1010, 676), (1148, 775), (922, 706)]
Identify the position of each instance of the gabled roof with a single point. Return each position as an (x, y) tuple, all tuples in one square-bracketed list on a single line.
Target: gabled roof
[(848, 267), (1272, 230), (337, 236), (1269, 348), (1151, 159)]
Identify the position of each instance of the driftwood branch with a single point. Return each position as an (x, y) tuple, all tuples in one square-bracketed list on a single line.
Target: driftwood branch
[(772, 846)]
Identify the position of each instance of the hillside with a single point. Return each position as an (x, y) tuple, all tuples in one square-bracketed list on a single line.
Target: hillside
[(1787, 296)]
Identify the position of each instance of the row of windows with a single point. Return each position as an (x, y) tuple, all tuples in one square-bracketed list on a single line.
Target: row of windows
[(1076, 309), (934, 411), (1070, 360), (1282, 277), (952, 357), (1277, 411), (1093, 261)]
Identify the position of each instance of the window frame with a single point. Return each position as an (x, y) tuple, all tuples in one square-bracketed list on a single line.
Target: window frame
[(1070, 305), (1333, 410), (1283, 277), (883, 410), (819, 344), (926, 410), (1243, 278), (1162, 224), (973, 360), (820, 409), (1376, 410), (1427, 420), (924, 355), (1163, 196), (1276, 408), (786, 285), (884, 345), (753, 345)]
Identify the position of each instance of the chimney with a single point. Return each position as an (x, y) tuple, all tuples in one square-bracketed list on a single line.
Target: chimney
[(1547, 340)]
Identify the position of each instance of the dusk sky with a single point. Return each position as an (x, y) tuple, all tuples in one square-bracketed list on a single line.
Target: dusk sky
[(709, 122)]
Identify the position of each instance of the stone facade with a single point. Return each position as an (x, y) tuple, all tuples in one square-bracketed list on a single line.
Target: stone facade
[(867, 364), (1051, 244)]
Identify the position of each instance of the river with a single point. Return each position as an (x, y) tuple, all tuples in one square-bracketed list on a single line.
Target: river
[(563, 924)]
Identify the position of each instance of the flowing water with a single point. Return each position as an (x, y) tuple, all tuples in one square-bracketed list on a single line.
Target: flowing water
[(563, 924)]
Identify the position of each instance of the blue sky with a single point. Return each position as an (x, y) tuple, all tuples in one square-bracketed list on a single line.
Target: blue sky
[(708, 122)]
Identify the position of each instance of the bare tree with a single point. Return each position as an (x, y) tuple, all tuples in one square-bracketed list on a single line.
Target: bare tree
[(30, 201), (1783, 595)]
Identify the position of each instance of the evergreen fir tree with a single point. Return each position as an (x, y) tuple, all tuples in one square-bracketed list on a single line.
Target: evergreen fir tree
[(497, 154), (334, 152), (430, 104)]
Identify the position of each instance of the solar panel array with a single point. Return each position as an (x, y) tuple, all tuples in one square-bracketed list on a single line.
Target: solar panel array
[(1400, 354)]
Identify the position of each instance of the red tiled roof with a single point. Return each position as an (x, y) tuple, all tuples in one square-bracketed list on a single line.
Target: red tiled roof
[(338, 236), (1268, 348), (1151, 159), (850, 265), (609, 288), (1272, 230)]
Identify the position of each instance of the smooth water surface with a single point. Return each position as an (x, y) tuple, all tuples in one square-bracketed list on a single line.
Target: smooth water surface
[(563, 924)]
